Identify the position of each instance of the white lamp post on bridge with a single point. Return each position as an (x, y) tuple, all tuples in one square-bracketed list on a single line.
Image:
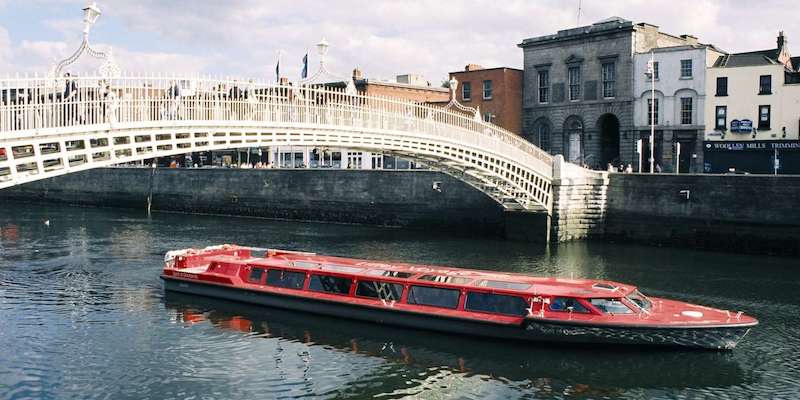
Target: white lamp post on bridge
[(109, 67)]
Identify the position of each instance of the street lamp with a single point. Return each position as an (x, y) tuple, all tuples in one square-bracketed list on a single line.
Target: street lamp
[(90, 15), (322, 49), (651, 72)]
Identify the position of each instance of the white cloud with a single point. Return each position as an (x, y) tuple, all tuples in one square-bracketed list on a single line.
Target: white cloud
[(383, 37)]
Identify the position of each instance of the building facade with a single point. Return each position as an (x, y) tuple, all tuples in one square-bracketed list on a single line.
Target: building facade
[(497, 92), (578, 95), (753, 112), (679, 77)]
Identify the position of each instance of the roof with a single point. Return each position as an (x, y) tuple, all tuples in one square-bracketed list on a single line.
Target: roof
[(796, 63), (604, 26), (748, 59), (359, 82), (485, 69)]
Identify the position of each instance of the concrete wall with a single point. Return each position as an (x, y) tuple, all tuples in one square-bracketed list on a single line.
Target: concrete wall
[(392, 198), (752, 214)]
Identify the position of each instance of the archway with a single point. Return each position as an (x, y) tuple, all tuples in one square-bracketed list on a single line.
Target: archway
[(608, 125), (573, 139)]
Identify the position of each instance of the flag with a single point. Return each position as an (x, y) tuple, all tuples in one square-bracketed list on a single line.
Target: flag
[(304, 72), (278, 70)]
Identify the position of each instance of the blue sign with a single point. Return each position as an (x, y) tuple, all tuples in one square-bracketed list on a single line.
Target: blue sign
[(745, 126)]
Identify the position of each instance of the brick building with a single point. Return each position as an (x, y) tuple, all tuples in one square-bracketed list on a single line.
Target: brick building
[(578, 89), (407, 87), (497, 91)]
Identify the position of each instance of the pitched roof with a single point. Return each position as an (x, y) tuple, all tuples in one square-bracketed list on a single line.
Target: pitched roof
[(749, 59)]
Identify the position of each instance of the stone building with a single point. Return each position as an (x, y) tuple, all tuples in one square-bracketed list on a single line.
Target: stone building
[(679, 74), (753, 112), (578, 89), (497, 92)]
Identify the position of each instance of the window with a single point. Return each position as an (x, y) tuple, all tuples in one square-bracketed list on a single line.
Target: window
[(686, 110), (574, 83), (487, 90), (543, 134), (763, 117), (686, 69), (544, 86), (652, 111), (640, 300), (722, 118), (609, 72), (505, 285), (454, 280), (393, 274), (487, 116), (722, 86), (765, 84), (379, 290), (496, 303), (655, 70), (330, 284), (431, 296), (611, 306), (565, 303), (255, 275), (286, 279), (466, 91)]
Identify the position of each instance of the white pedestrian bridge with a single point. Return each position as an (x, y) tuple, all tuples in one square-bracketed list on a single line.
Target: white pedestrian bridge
[(50, 127)]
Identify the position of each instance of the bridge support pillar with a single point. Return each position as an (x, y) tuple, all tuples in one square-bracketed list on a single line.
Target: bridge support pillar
[(579, 201)]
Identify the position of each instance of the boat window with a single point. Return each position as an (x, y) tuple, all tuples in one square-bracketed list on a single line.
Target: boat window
[(341, 268), (641, 300), (286, 279), (611, 306), (431, 296), (445, 279), (496, 303), (564, 304), (392, 274), (605, 286), (505, 285), (305, 264), (256, 274), (380, 290), (330, 284)]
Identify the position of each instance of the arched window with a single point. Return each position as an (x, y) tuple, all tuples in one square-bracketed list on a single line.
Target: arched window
[(540, 136)]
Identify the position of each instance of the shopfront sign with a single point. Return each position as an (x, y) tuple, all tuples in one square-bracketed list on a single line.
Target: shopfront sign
[(742, 126), (755, 145)]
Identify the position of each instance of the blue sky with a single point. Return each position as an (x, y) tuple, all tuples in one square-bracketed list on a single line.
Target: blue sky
[(382, 37)]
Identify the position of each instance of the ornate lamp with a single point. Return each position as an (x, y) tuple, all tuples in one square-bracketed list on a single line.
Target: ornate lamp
[(323, 73), (109, 68), (322, 49), (90, 15), (476, 112)]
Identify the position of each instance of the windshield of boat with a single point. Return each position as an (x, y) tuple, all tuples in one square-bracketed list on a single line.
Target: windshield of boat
[(640, 300), (611, 306)]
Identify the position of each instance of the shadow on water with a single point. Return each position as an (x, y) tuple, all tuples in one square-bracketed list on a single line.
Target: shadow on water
[(591, 370)]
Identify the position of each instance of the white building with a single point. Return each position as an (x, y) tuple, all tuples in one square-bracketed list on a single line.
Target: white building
[(680, 97), (754, 112)]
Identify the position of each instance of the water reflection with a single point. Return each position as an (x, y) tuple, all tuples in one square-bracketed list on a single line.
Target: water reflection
[(587, 370)]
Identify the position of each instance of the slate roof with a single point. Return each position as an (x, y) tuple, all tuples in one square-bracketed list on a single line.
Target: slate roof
[(749, 59)]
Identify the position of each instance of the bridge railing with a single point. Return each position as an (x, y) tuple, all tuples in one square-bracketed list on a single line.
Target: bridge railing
[(43, 104)]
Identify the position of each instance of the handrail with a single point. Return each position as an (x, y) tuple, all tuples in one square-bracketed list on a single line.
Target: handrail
[(38, 102)]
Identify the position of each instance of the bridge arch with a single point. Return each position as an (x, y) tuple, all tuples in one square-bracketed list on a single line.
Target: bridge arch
[(132, 118)]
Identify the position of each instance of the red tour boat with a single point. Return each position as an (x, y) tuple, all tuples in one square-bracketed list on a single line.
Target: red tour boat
[(474, 302)]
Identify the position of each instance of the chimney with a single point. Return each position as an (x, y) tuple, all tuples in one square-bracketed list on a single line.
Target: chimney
[(357, 74), (472, 67), (781, 41), (284, 81), (689, 39)]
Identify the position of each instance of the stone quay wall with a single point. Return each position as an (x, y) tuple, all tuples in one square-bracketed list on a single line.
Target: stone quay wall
[(385, 198), (757, 214)]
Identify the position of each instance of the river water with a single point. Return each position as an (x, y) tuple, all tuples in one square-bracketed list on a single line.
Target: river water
[(84, 316)]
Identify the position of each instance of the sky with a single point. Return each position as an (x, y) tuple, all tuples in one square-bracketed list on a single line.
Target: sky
[(383, 38)]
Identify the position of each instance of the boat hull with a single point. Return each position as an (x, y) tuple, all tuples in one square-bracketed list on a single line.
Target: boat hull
[(530, 330)]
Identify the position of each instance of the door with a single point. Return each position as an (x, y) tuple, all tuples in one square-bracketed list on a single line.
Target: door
[(575, 148)]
